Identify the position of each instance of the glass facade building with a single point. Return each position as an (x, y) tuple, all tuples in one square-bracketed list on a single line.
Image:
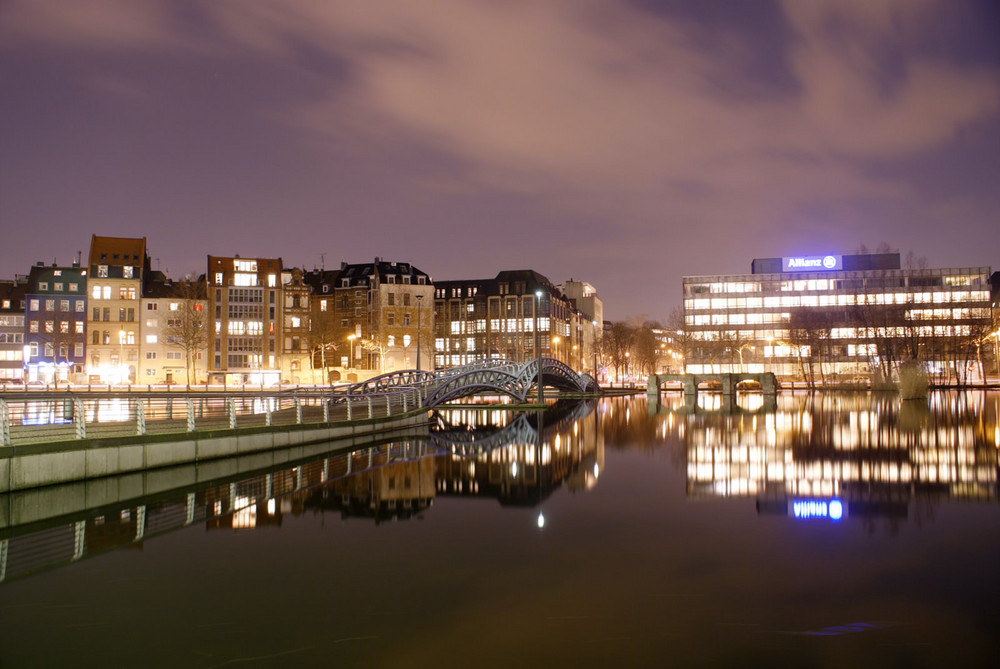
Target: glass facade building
[(837, 318)]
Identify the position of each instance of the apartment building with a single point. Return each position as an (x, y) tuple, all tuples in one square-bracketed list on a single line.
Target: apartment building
[(115, 273), (496, 318), (55, 324), (245, 307), (12, 310)]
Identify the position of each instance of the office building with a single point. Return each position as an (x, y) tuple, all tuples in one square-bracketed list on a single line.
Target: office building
[(836, 318)]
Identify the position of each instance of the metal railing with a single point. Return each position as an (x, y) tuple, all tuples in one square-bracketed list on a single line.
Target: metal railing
[(51, 417)]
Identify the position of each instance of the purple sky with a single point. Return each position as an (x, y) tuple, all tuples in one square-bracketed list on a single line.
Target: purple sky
[(623, 143)]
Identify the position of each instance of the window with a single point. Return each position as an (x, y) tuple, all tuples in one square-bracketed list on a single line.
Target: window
[(64, 327), (390, 319), (106, 337), (151, 339), (43, 285), (48, 349), (391, 278), (57, 286), (406, 299), (218, 278), (127, 271), (33, 326), (50, 305), (322, 306), (78, 327), (78, 350), (406, 319), (106, 292), (121, 314), (50, 326), (96, 339), (151, 306), (32, 305), (95, 292), (130, 315), (392, 299), (102, 271), (79, 307), (74, 287), (151, 355), (392, 341)]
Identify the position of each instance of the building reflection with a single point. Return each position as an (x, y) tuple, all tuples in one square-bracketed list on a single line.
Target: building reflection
[(876, 455), (469, 453)]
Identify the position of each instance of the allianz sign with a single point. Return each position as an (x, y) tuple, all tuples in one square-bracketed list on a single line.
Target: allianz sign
[(819, 263)]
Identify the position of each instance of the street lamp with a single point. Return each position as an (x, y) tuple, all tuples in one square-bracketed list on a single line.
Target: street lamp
[(419, 299), (538, 348), (555, 345), (351, 338)]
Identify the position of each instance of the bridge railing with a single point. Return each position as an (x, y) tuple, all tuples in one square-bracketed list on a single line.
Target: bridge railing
[(51, 417)]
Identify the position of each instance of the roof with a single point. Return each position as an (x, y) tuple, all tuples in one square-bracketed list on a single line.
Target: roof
[(117, 250)]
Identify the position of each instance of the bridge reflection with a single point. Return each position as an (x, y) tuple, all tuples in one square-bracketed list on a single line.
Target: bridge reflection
[(384, 482)]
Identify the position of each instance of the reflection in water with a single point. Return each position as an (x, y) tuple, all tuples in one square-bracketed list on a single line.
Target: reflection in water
[(872, 455), (468, 453)]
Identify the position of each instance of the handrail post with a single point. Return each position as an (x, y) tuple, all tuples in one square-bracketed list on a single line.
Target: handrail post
[(326, 411), (370, 412), (231, 407), (4, 424), (349, 407), (190, 414), (388, 406), (140, 416), (298, 411), (267, 410), (404, 402), (79, 419)]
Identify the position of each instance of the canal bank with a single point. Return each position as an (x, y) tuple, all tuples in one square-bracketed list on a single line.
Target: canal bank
[(28, 466)]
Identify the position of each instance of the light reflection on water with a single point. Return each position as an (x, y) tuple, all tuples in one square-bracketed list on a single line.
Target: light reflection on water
[(712, 519)]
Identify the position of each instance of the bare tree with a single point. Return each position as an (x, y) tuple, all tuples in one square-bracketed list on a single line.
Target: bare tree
[(675, 322), (186, 327), (616, 345), (322, 339)]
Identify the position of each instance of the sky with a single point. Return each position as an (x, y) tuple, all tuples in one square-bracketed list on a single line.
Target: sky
[(623, 143)]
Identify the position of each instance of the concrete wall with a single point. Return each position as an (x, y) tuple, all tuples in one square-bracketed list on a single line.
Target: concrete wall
[(37, 465)]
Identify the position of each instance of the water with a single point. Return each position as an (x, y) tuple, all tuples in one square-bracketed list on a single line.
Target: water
[(632, 535)]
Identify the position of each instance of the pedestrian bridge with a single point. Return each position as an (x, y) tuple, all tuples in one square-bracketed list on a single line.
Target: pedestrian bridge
[(517, 380), (726, 383)]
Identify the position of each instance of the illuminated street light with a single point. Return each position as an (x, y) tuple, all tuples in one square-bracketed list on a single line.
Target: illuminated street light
[(538, 347), (419, 300), (351, 339)]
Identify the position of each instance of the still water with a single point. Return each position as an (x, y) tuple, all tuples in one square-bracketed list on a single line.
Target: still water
[(836, 530)]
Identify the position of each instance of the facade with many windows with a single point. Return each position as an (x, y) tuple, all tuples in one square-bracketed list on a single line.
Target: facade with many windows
[(55, 323), (116, 270), (244, 299), (385, 309), (838, 318), (12, 310), (495, 318), (174, 323)]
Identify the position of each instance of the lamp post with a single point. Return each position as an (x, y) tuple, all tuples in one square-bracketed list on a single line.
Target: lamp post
[(351, 338), (555, 344), (419, 300), (538, 348), (595, 349)]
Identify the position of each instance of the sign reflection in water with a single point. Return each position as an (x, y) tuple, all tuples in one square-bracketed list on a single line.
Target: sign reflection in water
[(875, 454)]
